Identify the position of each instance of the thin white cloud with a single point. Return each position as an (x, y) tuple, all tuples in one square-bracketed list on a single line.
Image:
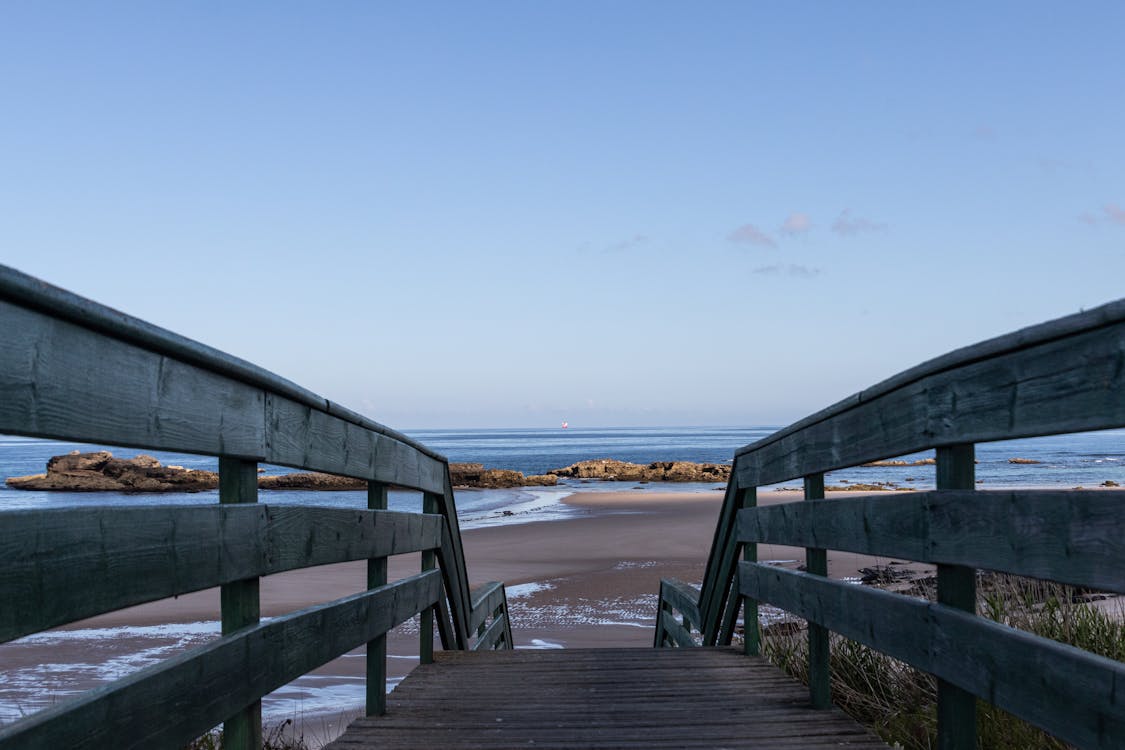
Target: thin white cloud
[(1111, 212), (635, 241), (798, 223), (748, 234), (791, 269), (849, 226), (984, 132)]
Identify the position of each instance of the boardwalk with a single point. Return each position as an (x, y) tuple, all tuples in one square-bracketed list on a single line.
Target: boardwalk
[(602, 698)]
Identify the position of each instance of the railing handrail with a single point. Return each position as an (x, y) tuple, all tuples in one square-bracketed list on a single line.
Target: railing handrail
[(1042, 333), (1063, 376), (58, 303), (73, 369)]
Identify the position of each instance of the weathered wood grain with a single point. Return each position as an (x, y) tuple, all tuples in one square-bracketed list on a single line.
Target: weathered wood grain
[(493, 635), (240, 605), (816, 563), (63, 565), (717, 575), (956, 587), (602, 698), (149, 399), (303, 436), (38, 296), (1071, 536), (675, 631), (1071, 693), (1091, 320), (683, 597), (429, 562), (451, 557), (1048, 386), (485, 598), (170, 703), (376, 688), (133, 397)]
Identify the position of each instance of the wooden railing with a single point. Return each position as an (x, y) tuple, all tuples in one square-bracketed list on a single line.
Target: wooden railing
[(75, 370), (1063, 376)]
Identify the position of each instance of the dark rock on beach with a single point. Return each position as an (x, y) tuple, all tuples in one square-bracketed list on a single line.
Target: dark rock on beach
[(608, 469)]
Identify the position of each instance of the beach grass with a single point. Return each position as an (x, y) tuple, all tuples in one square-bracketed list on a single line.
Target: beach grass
[(900, 703), (279, 737)]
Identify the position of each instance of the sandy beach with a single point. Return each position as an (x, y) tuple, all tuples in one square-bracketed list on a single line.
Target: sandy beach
[(587, 581)]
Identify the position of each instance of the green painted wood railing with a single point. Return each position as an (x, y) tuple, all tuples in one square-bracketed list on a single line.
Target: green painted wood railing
[(1063, 376), (75, 370)]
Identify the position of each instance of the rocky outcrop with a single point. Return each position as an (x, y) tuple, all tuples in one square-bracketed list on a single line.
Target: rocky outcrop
[(101, 472), (608, 469), (310, 481), (475, 475)]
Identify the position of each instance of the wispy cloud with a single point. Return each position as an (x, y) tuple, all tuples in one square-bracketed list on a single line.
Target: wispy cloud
[(848, 226), (628, 244), (984, 132), (797, 224), (635, 241), (791, 269), (749, 234), (1111, 212)]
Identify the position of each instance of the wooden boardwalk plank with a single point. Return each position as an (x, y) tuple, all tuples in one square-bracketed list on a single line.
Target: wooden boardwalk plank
[(603, 698)]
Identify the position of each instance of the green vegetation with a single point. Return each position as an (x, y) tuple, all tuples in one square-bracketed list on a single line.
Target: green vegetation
[(280, 737), (900, 703)]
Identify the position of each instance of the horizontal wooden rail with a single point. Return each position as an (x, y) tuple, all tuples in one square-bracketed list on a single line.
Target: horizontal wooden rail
[(35, 294), (1063, 376), (683, 597), (71, 563), (171, 703), (490, 601), (1075, 695), (486, 599), (149, 399), (1075, 537), (677, 596)]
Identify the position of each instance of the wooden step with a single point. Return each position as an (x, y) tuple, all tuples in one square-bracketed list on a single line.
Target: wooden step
[(603, 698)]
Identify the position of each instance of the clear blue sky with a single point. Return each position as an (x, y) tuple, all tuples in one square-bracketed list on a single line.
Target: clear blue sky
[(627, 213)]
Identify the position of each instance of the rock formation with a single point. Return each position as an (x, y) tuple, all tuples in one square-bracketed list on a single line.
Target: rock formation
[(101, 472), (314, 480), (475, 475), (608, 469)]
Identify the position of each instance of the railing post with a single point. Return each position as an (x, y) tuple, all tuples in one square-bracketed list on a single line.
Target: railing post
[(956, 587), (816, 562), (748, 498), (377, 648), (239, 603), (426, 624)]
